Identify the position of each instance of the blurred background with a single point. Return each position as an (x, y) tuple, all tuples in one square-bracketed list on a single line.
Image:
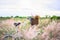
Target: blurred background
[(34, 19)]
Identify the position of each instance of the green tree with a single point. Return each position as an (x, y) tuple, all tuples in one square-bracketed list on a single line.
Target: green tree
[(54, 17), (16, 16), (46, 16), (11, 16)]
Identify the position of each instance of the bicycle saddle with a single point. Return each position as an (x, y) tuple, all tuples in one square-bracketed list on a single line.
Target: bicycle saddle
[(16, 24)]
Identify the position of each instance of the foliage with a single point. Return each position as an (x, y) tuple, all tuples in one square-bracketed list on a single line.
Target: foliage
[(16, 16), (55, 17)]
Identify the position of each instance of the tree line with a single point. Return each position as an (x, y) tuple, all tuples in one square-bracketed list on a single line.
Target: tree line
[(53, 17)]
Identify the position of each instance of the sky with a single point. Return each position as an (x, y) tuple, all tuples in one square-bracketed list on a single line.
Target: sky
[(29, 7)]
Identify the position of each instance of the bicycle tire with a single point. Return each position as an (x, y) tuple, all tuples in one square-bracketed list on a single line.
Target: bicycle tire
[(8, 38)]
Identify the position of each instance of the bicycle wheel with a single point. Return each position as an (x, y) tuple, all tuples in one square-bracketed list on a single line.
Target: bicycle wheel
[(8, 38)]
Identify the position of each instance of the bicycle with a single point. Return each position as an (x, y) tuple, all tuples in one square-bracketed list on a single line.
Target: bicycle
[(17, 36)]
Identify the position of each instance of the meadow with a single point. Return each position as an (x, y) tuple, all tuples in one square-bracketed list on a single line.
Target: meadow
[(45, 30)]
